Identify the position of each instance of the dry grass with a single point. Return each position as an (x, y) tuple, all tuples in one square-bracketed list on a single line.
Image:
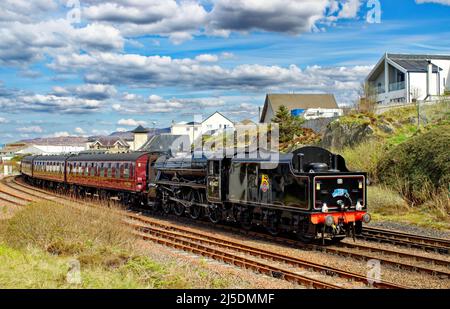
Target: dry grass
[(363, 157), (94, 235), (38, 244), (387, 205)]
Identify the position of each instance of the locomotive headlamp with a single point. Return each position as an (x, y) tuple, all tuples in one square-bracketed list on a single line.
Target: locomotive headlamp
[(318, 186), (340, 181), (359, 207), (324, 207), (329, 220), (366, 218), (360, 184)]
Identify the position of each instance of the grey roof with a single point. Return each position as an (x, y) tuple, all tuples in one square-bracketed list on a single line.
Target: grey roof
[(415, 65), (51, 158), (166, 142), (140, 129), (418, 56), (109, 141), (298, 101), (130, 156)]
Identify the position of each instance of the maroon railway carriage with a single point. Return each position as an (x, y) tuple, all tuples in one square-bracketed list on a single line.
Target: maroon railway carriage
[(50, 169), (122, 174)]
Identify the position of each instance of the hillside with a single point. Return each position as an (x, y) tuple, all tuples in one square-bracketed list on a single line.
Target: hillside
[(407, 162)]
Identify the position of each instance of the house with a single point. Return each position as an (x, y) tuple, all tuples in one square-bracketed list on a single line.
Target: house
[(212, 125), (140, 137), (246, 122), (409, 77), (34, 149), (123, 142), (8, 151), (310, 106), (110, 144)]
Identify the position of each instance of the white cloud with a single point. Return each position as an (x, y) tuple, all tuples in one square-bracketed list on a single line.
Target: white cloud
[(31, 129), (87, 91), (60, 134), (131, 122), (289, 16), (52, 37), (157, 71), (3, 120), (157, 104), (121, 130), (177, 20), (206, 58), (79, 131), (444, 2)]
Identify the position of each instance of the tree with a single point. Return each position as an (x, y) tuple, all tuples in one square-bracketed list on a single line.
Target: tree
[(288, 125), (367, 98)]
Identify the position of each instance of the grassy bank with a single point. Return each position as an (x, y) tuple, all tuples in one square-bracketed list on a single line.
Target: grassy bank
[(408, 165), (388, 205), (44, 244)]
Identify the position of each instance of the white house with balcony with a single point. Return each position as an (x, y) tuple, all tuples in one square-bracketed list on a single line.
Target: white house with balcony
[(214, 124), (409, 77)]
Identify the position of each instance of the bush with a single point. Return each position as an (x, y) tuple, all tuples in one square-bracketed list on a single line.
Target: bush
[(420, 167), (363, 157)]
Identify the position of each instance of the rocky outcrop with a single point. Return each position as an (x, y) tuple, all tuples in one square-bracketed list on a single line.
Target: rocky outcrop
[(341, 134)]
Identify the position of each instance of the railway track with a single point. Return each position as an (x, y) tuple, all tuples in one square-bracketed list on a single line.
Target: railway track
[(357, 251), (170, 239), (407, 240), (192, 237)]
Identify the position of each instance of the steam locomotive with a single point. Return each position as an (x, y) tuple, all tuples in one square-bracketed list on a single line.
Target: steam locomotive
[(308, 192)]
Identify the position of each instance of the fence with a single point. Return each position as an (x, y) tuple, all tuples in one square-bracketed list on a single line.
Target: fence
[(381, 108)]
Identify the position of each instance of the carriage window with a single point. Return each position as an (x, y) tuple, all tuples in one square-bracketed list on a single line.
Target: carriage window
[(93, 169), (117, 170), (109, 170), (126, 171)]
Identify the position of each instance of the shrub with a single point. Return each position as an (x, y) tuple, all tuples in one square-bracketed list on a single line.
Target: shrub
[(419, 167)]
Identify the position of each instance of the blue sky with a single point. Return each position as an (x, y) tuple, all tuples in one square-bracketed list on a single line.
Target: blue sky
[(129, 62)]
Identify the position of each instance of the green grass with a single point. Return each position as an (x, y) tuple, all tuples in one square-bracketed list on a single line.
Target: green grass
[(39, 243)]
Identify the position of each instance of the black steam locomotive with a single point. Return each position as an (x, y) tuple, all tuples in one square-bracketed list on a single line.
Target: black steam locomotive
[(308, 192)]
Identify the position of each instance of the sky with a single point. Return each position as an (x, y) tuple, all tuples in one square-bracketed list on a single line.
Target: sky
[(91, 67)]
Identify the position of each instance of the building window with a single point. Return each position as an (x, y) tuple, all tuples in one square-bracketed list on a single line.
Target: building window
[(188, 129)]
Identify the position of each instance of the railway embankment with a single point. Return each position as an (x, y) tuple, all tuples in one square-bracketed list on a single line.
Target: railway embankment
[(50, 245)]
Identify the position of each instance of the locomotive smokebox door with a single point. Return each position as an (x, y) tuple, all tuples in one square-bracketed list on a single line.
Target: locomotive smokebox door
[(213, 181)]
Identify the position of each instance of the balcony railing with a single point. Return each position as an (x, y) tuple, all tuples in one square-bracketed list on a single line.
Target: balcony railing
[(397, 86), (379, 90)]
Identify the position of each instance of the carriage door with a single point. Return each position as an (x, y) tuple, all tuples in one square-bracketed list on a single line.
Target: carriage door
[(213, 181)]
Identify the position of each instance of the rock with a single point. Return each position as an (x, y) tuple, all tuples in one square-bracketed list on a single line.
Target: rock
[(386, 128), (339, 135)]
